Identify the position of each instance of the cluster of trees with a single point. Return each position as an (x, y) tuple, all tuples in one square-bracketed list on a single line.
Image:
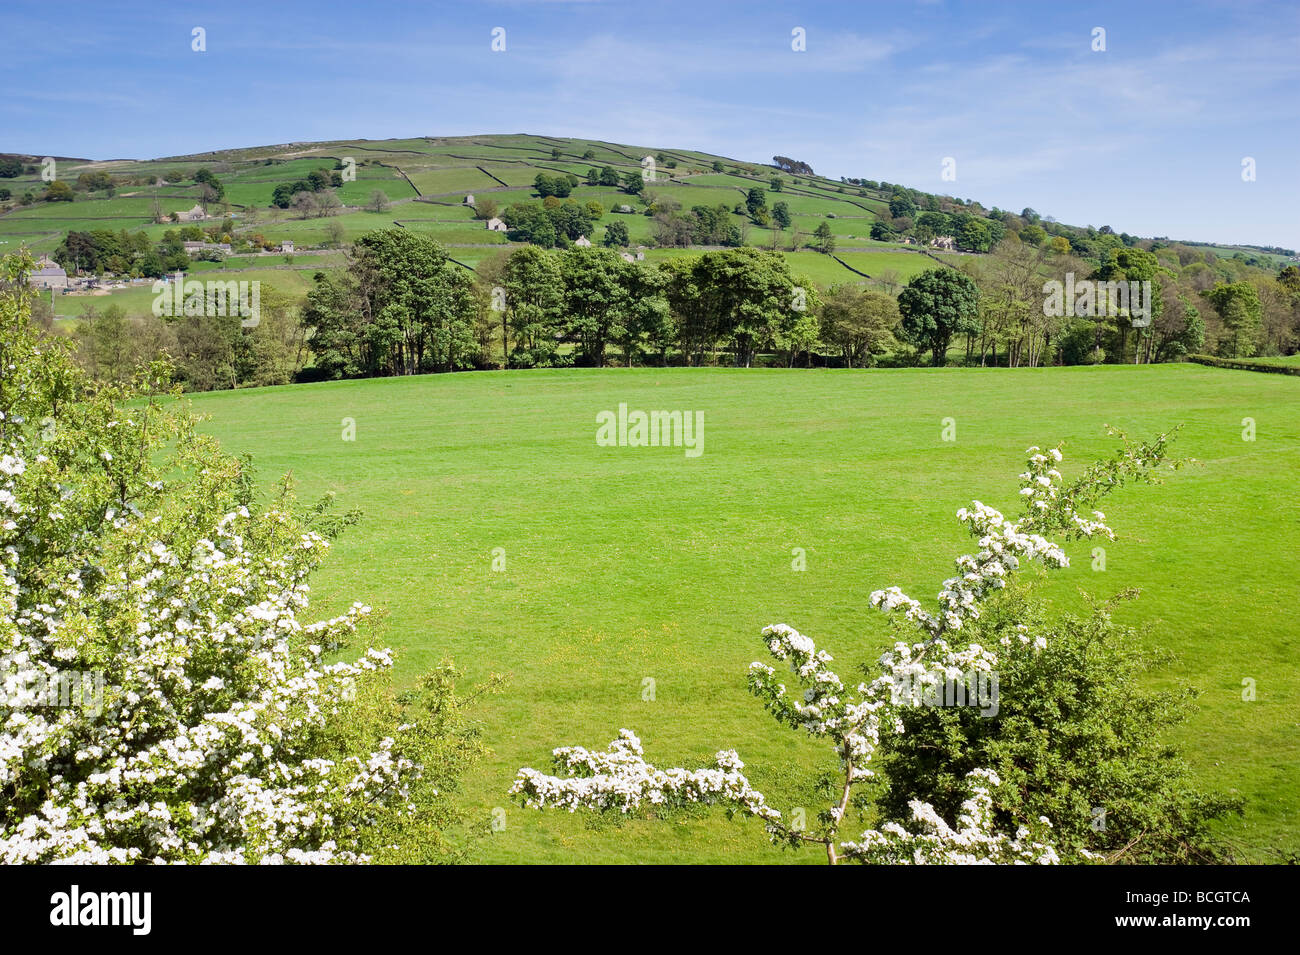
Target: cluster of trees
[(551, 222), (559, 186), (1221, 306), (121, 253), (317, 182), (1013, 326), (206, 352), (630, 182), (703, 225), (786, 164), (745, 300), (971, 232), (103, 251), (400, 308), (403, 308), (589, 298), (97, 181)]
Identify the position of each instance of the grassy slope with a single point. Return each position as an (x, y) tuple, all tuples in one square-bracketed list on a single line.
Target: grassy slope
[(626, 564), (443, 170)]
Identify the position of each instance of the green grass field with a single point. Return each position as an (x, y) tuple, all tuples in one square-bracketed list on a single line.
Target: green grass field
[(628, 564)]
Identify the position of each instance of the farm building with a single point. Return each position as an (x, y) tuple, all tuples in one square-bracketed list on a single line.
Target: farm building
[(48, 276), (583, 242), (193, 247), (286, 245), (469, 200), (496, 225), (193, 215)]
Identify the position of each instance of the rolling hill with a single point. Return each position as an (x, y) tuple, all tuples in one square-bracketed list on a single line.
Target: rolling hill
[(426, 181)]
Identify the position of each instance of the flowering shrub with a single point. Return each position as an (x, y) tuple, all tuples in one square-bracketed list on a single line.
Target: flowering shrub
[(1078, 737), (222, 729), (859, 720)]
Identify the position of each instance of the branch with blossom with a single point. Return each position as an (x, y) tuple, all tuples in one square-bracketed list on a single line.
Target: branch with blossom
[(620, 779)]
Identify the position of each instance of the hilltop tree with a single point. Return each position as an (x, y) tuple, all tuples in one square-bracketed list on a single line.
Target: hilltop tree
[(936, 305), (786, 164)]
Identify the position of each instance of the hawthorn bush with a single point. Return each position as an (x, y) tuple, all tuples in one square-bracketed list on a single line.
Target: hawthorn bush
[(1076, 738), (160, 699)]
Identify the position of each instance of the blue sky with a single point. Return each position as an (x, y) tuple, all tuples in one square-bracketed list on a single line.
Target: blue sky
[(1147, 136)]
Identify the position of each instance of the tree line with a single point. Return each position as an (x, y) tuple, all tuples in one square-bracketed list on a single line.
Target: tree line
[(402, 306)]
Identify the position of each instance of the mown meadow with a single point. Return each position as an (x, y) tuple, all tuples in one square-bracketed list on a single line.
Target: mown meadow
[(626, 587)]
